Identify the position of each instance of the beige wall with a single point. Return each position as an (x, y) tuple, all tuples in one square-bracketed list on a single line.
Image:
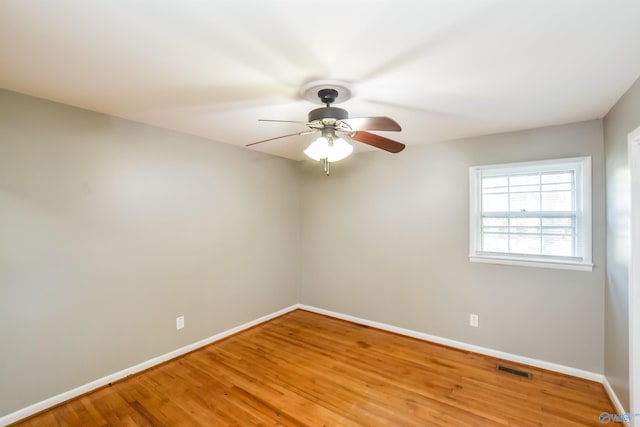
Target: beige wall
[(623, 118), (385, 238), (110, 229)]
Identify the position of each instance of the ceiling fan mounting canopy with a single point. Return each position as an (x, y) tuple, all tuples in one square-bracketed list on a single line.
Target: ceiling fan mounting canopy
[(310, 90), (328, 96)]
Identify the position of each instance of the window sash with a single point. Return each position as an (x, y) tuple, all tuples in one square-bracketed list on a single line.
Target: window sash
[(532, 190), (564, 234)]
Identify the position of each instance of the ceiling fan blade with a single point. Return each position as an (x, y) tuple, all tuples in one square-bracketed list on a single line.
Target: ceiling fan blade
[(282, 121), (370, 123), (378, 141), (282, 136)]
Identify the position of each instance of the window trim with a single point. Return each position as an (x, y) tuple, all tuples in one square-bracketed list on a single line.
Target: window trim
[(583, 188)]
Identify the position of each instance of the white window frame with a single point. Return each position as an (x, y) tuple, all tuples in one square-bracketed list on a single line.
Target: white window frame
[(582, 166)]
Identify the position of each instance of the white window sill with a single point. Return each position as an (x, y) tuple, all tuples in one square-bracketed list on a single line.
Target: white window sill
[(531, 263)]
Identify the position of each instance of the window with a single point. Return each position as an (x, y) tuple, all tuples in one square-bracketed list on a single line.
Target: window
[(532, 214)]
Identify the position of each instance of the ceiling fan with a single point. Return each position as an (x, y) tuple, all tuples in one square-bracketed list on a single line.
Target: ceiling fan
[(335, 126)]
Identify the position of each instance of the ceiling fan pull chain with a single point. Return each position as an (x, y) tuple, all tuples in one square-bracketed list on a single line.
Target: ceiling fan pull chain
[(326, 166)]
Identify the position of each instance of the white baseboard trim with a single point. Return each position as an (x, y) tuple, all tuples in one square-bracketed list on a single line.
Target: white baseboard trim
[(614, 398), (78, 391), (463, 346)]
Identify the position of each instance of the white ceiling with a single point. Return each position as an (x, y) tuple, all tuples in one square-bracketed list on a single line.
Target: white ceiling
[(443, 69)]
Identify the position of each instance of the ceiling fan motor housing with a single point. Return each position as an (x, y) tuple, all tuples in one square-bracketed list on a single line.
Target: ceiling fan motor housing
[(328, 113)]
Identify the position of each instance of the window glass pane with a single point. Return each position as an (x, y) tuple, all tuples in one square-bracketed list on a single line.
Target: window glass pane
[(499, 190), (495, 202), (496, 230), (515, 180), (525, 222), (557, 245), (555, 187), (495, 242), (525, 225), (495, 185), (524, 202), (567, 221), (493, 182), (495, 221), (495, 225), (524, 244), (557, 177), (558, 232), (557, 201), (524, 188)]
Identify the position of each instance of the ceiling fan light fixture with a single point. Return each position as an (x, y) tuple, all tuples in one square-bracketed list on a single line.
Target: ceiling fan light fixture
[(340, 150), (321, 149)]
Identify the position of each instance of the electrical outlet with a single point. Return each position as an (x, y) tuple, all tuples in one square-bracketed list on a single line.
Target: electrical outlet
[(180, 322), (473, 320)]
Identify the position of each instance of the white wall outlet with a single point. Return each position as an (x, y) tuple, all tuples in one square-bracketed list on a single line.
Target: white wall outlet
[(179, 322), (473, 320)]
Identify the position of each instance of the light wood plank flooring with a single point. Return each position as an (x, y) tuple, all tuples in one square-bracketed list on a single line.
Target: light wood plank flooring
[(308, 369)]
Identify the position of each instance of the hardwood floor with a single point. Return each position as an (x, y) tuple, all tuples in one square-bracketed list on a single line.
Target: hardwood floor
[(308, 369)]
